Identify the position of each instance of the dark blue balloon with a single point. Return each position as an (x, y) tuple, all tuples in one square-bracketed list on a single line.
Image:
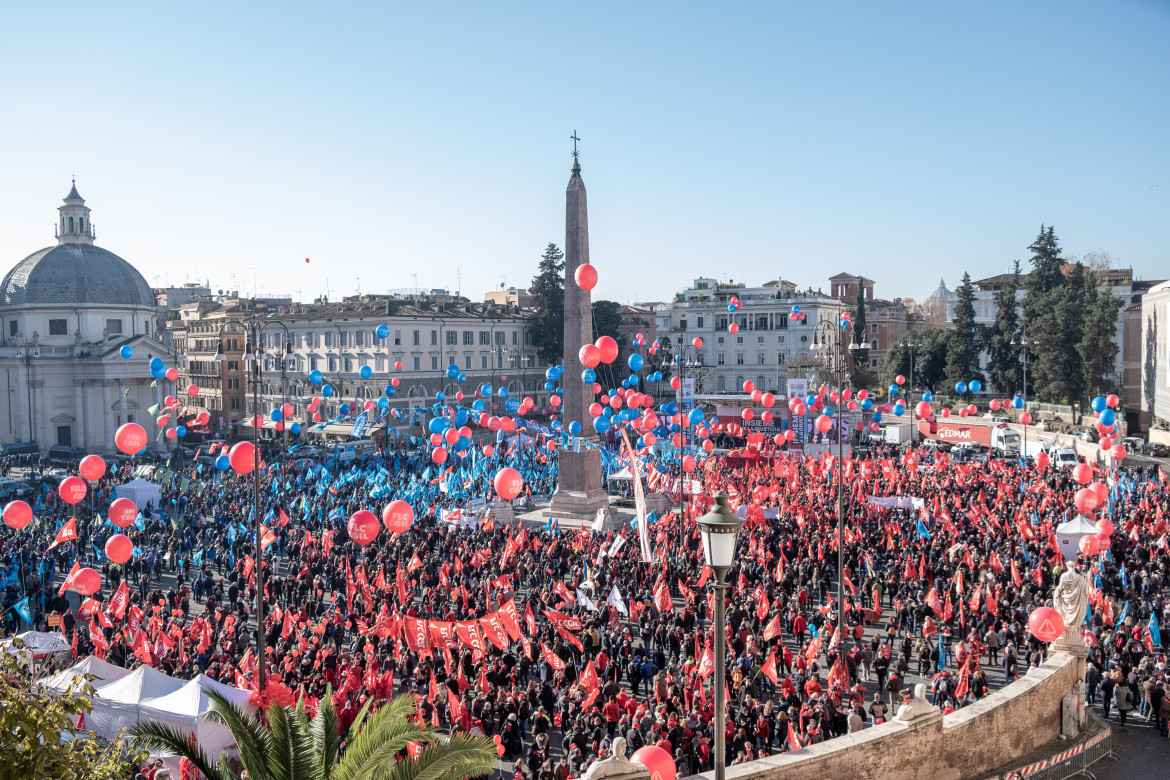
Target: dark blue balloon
[(366, 372), (382, 331), (222, 463)]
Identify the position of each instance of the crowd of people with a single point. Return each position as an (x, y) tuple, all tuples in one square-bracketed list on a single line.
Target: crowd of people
[(560, 639)]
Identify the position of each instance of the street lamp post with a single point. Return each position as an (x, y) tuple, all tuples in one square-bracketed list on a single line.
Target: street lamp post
[(910, 392), (684, 419), (720, 530)]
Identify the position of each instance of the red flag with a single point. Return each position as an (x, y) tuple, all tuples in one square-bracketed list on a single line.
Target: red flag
[(67, 533), (283, 518), (933, 602), (589, 679), (772, 630), (553, 659), (662, 599), (769, 668), (415, 563), (529, 619), (119, 601), (98, 638), (793, 742), (68, 583), (1016, 575), (706, 664)]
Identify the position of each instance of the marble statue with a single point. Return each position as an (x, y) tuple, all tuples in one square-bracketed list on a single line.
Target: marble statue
[(918, 707), (616, 764), (1071, 600)]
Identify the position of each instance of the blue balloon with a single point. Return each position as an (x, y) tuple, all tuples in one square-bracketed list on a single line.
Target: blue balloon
[(1017, 403), (796, 310), (550, 373), (159, 373), (893, 389), (670, 409), (391, 391), (961, 387), (327, 391), (625, 384), (867, 403), (575, 428), (366, 372), (157, 363), (296, 429), (512, 405), (382, 331), (452, 371), (713, 422), (344, 409), (1108, 417), (383, 404), (548, 386), (606, 411), (810, 400), (635, 362), (976, 386), (478, 406), (695, 416), (600, 424), (877, 416), (633, 380), (461, 378), (560, 391), (502, 392), (928, 397), (439, 396), (485, 389), (316, 377), (460, 418), (589, 376), (1097, 403), (899, 410), (126, 351), (180, 431), (437, 425), (222, 463), (276, 415)]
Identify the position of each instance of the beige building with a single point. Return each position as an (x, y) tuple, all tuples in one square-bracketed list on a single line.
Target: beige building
[(1155, 360)]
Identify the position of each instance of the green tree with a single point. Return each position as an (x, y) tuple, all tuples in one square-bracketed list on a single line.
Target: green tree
[(37, 735), (966, 338), (930, 359), (548, 306), (1003, 357), (860, 373), (1052, 319), (1097, 346), (607, 320), (293, 745)]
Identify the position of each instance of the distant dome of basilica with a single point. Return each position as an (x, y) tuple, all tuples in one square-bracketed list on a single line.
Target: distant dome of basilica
[(75, 273)]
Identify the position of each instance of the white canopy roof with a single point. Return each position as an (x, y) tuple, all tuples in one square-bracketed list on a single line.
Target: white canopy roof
[(39, 643), (104, 673), (186, 710), (140, 492), (115, 705)]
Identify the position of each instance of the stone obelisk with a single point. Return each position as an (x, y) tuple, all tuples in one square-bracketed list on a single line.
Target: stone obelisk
[(579, 493)]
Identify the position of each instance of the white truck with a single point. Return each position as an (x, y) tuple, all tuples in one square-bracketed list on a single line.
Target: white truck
[(896, 434), (1063, 457), (1034, 447), (1005, 441)]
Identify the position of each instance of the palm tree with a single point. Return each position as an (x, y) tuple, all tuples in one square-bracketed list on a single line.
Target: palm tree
[(293, 746)]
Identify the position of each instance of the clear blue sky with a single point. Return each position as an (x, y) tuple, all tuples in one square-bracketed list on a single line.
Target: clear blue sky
[(745, 141)]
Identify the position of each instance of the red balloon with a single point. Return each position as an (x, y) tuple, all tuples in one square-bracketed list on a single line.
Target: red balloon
[(87, 582), (1042, 460), (1104, 528), (363, 526), (119, 548), (131, 438), (1118, 452), (192, 390), (1102, 492), (585, 276), (657, 760), (242, 457), (733, 328), (688, 464), (508, 483), (1085, 500), (72, 490), (123, 512), (17, 515), (1082, 473), (609, 349), (1046, 624), (92, 468), (697, 343), (1025, 418), (589, 355), (398, 516), (172, 374), (439, 455), (824, 423), (1090, 546)]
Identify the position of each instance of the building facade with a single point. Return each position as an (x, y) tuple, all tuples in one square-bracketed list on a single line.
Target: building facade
[(1155, 377), (66, 312)]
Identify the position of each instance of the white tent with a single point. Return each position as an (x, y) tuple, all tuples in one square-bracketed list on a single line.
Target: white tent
[(621, 476), (140, 492), (37, 645), (186, 710), (115, 705), (103, 673)]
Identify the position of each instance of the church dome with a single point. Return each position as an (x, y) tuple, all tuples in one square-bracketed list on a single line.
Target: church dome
[(75, 273), (942, 293)]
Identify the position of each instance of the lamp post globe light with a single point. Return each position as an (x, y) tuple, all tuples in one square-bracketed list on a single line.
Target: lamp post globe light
[(720, 530)]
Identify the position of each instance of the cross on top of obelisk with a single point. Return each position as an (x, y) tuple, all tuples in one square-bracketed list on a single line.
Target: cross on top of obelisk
[(575, 140)]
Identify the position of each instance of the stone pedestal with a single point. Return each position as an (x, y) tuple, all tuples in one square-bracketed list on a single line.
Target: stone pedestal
[(501, 512), (657, 502), (579, 493)]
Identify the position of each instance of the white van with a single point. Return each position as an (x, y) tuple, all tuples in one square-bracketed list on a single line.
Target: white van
[(1063, 457)]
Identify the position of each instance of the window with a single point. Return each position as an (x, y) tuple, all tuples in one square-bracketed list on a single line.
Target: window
[(114, 327), (719, 359), (468, 338), (484, 362), (64, 434), (760, 358), (233, 384), (417, 361), (379, 364), (312, 364), (235, 403), (485, 337), (292, 364), (348, 365), (514, 338), (873, 363), (310, 340), (739, 358), (779, 339), (761, 383), (416, 338), (332, 364), (762, 322), (873, 344), (434, 362), (328, 338), (398, 338), (721, 340), (12, 325), (452, 337), (682, 324), (721, 384), (698, 322), (434, 338), (233, 365), (467, 362), (500, 337), (739, 339), (779, 358), (58, 327)]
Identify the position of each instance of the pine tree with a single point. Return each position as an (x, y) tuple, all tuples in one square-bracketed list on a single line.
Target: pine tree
[(966, 338), (1052, 319), (1003, 363), (1097, 346), (930, 359), (548, 303)]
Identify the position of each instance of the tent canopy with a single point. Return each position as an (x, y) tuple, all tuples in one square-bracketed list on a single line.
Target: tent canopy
[(115, 705), (103, 673), (186, 711), (140, 492), (39, 643)]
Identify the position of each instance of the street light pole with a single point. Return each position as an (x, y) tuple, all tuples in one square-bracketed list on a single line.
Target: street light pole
[(720, 530)]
